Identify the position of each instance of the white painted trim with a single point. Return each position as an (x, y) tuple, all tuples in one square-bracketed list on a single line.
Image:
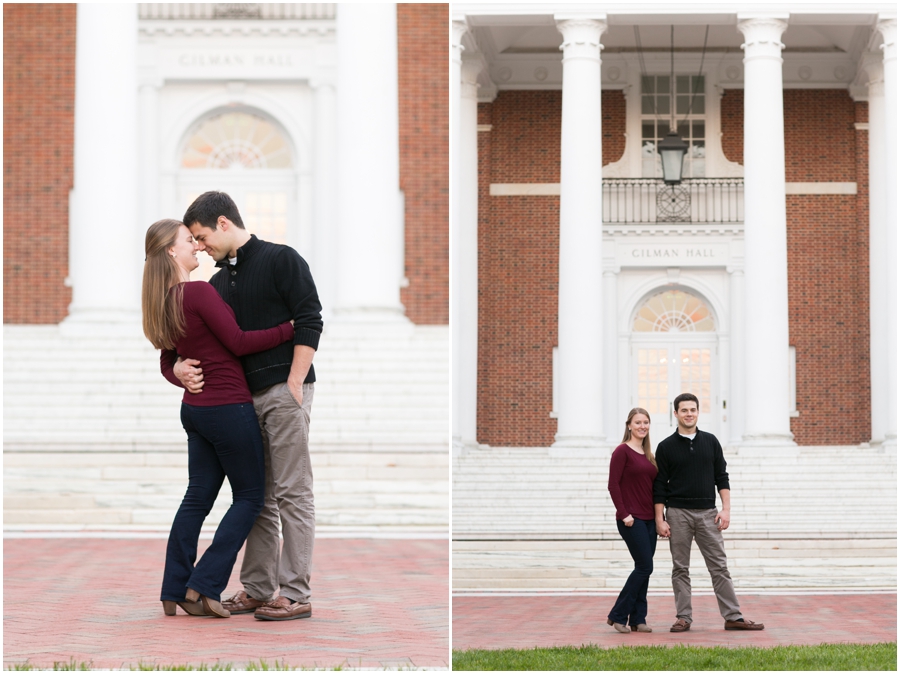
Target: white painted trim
[(524, 189), (820, 188), (552, 189), (861, 126), (485, 127)]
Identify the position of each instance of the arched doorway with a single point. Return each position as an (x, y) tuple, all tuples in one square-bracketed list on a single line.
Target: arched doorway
[(674, 349), (249, 157)]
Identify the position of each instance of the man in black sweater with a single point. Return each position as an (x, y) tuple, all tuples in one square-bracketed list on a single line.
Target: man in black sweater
[(266, 284), (691, 466)]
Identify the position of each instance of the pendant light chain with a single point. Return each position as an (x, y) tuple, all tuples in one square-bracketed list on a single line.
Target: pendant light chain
[(699, 75)]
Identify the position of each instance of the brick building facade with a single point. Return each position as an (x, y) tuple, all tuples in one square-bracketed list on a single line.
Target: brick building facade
[(39, 109), (518, 262), (830, 366)]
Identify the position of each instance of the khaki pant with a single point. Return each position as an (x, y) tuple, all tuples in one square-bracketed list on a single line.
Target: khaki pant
[(687, 525), (267, 566)]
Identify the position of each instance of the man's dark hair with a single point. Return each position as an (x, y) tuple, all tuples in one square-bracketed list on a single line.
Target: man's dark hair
[(685, 396), (207, 208)]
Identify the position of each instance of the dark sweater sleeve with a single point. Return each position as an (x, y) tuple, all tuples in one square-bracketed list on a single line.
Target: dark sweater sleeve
[(661, 483), (295, 284), (721, 475), (220, 320), (167, 360), (616, 468)]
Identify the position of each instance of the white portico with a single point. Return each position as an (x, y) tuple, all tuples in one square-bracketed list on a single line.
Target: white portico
[(279, 111), (716, 244)]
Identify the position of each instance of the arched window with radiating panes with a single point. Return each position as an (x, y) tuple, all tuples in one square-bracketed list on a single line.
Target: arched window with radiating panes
[(674, 311), (235, 140)]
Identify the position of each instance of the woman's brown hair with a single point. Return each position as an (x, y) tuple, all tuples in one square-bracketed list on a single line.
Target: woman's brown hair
[(646, 443), (163, 310)]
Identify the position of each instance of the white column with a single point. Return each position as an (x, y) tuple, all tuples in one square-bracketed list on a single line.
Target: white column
[(467, 243), (458, 29), (580, 420), (888, 28), (735, 401), (327, 259), (767, 417), (370, 214), (106, 234), (878, 251), (615, 406), (148, 154)]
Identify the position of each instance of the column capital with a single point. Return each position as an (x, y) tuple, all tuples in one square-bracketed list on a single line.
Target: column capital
[(872, 64), (471, 67), (581, 35), (762, 34), (887, 26), (459, 27)]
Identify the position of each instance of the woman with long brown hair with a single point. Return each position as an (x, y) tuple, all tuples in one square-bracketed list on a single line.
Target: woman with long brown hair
[(632, 469), (189, 318)]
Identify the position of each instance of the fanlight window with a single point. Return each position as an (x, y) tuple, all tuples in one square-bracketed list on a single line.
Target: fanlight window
[(236, 140), (674, 311)]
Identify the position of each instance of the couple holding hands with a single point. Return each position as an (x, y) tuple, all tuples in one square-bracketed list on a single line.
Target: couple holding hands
[(673, 495)]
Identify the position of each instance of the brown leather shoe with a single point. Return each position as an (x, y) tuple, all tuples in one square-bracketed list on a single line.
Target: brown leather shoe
[(242, 603), (282, 608), (680, 625), (743, 625), (643, 627)]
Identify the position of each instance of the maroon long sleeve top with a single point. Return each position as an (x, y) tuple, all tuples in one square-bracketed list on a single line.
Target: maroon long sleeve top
[(631, 478), (213, 337)]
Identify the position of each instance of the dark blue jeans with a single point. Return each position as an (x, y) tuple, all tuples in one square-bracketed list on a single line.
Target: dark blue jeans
[(224, 440), (631, 605)]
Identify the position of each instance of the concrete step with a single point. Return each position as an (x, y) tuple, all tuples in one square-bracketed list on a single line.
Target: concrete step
[(788, 564), (380, 386), (543, 492), (361, 489)]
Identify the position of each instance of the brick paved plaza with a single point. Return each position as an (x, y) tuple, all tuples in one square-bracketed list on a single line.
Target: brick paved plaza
[(525, 622), (377, 603)]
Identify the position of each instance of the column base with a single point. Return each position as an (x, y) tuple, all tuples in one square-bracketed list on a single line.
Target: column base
[(890, 442), (460, 447), (102, 323), (768, 440)]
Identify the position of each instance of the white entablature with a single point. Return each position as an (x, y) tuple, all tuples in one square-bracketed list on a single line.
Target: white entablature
[(519, 44)]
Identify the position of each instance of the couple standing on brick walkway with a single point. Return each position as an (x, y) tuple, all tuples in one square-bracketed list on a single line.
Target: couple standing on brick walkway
[(246, 419), (672, 495)]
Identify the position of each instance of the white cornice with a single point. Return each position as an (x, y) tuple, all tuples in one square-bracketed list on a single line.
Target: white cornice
[(802, 13)]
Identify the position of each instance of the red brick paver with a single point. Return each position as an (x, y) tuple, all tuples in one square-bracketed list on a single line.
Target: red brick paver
[(525, 622), (376, 603)]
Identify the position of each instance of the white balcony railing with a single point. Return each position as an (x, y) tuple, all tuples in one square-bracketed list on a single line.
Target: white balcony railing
[(271, 11), (647, 200)]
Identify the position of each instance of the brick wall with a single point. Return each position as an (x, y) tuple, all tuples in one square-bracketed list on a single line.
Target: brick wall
[(518, 263), (424, 158), (819, 140), (827, 269), (732, 118), (38, 128)]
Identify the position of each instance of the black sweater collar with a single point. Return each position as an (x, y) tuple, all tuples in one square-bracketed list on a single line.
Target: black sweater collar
[(243, 252)]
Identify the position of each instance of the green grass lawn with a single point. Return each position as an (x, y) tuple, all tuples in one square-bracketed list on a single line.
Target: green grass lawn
[(823, 657)]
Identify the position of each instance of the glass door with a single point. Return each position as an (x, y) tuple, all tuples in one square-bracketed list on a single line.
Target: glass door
[(661, 372)]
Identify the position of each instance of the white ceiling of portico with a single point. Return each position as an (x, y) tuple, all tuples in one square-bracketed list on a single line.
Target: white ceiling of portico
[(514, 41)]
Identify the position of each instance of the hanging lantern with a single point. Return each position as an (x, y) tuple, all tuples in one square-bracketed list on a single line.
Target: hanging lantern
[(672, 150)]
